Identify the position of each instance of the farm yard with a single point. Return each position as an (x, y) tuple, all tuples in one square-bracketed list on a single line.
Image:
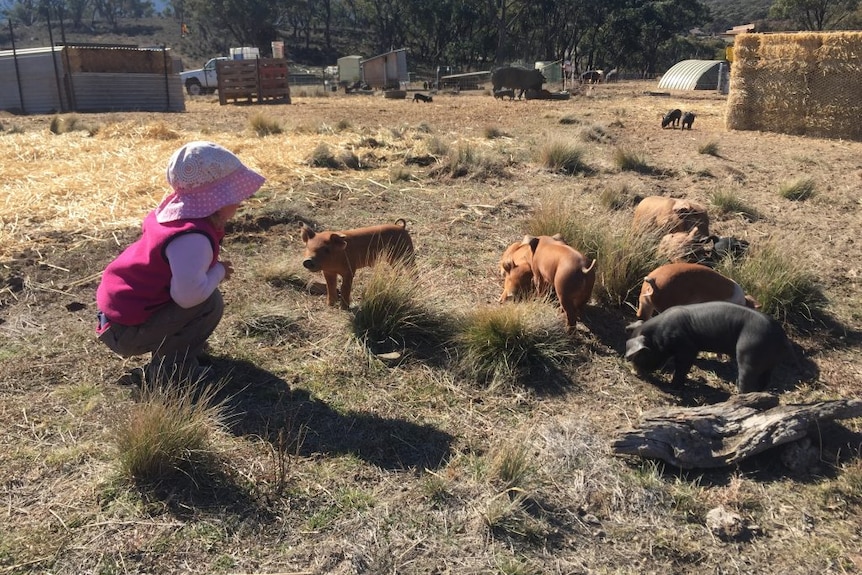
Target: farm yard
[(330, 449)]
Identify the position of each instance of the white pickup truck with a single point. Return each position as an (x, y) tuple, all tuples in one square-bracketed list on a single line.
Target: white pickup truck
[(204, 80)]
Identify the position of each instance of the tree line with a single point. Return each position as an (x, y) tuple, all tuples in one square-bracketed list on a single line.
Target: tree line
[(635, 36)]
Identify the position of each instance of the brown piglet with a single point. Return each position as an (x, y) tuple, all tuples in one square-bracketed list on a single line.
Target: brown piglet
[(341, 253), (686, 283), (516, 270), (563, 268)]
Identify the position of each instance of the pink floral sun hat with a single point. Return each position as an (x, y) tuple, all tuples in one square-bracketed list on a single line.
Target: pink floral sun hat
[(205, 177)]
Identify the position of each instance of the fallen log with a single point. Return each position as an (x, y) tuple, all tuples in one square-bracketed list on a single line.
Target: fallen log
[(725, 433)]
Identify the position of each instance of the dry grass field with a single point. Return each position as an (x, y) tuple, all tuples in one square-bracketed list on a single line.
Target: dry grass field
[(330, 459)]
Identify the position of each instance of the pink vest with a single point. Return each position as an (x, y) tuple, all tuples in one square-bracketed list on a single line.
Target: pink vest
[(138, 281)]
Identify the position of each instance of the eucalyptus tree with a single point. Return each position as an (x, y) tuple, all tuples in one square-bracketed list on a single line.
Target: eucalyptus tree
[(249, 22), (815, 14)]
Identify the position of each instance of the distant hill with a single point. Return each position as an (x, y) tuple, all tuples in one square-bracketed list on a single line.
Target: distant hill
[(729, 13), (144, 32)]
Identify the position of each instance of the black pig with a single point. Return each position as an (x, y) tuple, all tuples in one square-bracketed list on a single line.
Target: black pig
[(756, 340), (671, 118)]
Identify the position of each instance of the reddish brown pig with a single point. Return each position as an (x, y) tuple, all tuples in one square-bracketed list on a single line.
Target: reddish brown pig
[(684, 283), (669, 215), (516, 270), (683, 246), (343, 252), (562, 267)]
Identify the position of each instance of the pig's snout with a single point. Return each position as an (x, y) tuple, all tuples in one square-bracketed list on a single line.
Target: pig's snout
[(309, 264)]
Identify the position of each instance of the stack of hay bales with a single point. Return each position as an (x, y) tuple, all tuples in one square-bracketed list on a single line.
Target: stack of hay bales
[(805, 83)]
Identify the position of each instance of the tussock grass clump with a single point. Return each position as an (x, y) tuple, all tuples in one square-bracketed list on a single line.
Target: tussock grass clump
[(624, 259), (563, 158), (509, 343), (462, 160), (350, 160), (70, 123), (624, 255), (263, 125), (393, 313), (63, 124), (343, 125), (436, 146), (632, 161), (400, 174), (709, 148), (493, 132), (507, 517), (171, 432), (729, 203), (798, 190), (616, 198), (322, 157), (780, 282), (465, 161), (11, 129), (511, 466), (569, 121), (595, 133)]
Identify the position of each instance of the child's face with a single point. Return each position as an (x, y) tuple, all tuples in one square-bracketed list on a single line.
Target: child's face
[(227, 212)]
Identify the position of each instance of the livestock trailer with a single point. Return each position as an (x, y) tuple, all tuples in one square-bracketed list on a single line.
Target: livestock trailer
[(349, 70), (88, 78), (387, 71)]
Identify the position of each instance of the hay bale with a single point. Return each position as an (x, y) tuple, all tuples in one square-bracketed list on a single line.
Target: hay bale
[(805, 84)]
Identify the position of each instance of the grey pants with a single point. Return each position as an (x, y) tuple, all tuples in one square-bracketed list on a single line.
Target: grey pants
[(175, 337)]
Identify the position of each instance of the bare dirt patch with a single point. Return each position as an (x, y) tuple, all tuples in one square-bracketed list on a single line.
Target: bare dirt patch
[(340, 463)]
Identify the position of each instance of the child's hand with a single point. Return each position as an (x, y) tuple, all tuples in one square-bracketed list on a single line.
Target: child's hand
[(228, 269)]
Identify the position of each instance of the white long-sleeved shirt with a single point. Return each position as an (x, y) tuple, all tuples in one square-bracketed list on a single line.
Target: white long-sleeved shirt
[(192, 278)]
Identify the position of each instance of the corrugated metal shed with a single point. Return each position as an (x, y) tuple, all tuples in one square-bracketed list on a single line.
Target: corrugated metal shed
[(51, 81), (39, 90), (386, 70), (128, 92), (692, 75)]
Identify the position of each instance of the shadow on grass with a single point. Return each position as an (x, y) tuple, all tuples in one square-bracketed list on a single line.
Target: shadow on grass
[(828, 331), (262, 404), (696, 391), (216, 493)]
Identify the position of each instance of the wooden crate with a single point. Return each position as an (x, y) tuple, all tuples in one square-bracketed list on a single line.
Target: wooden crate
[(262, 79), (273, 78)]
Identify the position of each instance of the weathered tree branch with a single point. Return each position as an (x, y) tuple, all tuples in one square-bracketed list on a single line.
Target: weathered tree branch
[(726, 433)]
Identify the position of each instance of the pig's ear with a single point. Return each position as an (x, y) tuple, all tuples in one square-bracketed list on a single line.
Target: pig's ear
[(634, 325), (751, 302), (533, 241), (635, 347), (338, 241), (507, 265), (306, 232), (558, 237)]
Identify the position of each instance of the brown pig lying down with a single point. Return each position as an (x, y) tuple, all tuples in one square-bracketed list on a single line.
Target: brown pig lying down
[(552, 264), (341, 253), (684, 283), (669, 215)]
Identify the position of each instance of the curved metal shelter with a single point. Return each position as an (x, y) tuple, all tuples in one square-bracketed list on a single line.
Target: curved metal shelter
[(692, 75)]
